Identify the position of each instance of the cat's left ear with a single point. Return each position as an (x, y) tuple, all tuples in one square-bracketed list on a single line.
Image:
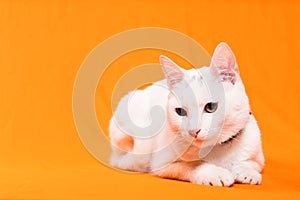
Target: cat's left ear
[(223, 64), (172, 71)]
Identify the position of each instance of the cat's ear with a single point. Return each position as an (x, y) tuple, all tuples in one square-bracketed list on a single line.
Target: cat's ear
[(223, 64), (172, 71)]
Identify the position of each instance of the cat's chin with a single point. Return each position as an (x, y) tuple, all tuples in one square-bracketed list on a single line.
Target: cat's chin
[(200, 143), (193, 141), (197, 143), (204, 143)]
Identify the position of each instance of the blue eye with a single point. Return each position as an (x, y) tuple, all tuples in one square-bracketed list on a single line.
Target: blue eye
[(211, 107), (180, 111)]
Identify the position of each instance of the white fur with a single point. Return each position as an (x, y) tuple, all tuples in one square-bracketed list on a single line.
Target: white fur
[(147, 135)]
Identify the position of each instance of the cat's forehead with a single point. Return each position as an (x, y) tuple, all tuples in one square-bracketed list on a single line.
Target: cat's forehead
[(195, 75), (193, 89)]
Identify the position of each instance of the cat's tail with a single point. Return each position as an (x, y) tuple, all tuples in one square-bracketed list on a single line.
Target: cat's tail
[(121, 143), (119, 139)]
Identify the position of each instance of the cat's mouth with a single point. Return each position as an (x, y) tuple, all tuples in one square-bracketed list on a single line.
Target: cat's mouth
[(200, 138), (197, 137), (194, 133)]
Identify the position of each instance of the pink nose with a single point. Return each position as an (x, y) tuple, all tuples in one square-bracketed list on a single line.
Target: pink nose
[(194, 132)]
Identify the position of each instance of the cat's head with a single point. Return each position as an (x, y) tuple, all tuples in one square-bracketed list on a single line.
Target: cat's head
[(208, 104)]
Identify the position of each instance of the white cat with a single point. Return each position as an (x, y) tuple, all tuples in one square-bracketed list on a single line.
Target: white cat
[(195, 126)]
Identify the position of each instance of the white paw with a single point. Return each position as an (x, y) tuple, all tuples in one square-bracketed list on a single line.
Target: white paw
[(248, 175), (208, 174)]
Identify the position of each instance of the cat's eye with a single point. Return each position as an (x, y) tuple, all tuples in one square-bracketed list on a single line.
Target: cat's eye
[(180, 111), (211, 107)]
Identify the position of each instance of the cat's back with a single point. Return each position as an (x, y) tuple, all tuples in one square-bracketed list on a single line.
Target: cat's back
[(136, 107)]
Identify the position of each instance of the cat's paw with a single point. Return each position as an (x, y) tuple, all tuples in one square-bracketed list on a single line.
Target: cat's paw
[(208, 174), (248, 176)]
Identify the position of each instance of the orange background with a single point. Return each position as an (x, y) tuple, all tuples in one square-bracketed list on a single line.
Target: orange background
[(42, 45)]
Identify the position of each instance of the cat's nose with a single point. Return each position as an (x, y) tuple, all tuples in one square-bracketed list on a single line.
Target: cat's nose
[(194, 132)]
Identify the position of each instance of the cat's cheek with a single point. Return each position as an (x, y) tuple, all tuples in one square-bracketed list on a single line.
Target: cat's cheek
[(175, 121), (206, 128)]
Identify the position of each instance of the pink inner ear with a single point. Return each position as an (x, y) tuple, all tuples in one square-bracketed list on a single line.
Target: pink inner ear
[(173, 73), (224, 63), (224, 58), (165, 61)]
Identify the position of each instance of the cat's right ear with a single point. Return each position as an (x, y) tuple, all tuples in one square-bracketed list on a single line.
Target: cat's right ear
[(172, 71), (223, 64)]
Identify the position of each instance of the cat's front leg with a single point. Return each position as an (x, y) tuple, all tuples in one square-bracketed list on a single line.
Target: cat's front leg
[(210, 174), (178, 170), (196, 172), (247, 172)]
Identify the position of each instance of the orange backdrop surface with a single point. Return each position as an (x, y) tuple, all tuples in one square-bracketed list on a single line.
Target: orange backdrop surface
[(42, 45)]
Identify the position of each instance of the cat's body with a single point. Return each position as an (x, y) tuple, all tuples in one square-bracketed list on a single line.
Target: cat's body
[(194, 126)]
